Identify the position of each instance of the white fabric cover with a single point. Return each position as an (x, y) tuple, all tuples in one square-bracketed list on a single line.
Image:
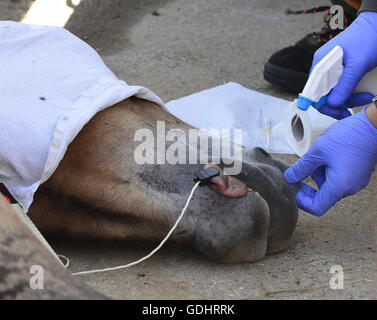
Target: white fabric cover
[(232, 106), (51, 84)]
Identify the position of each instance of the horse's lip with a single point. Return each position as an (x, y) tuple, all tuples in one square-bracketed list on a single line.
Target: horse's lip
[(227, 185)]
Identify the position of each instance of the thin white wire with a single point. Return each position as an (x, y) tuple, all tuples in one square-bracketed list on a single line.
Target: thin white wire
[(67, 261), (155, 250)]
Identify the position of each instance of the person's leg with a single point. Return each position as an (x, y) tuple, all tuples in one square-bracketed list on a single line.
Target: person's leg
[(289, 67)]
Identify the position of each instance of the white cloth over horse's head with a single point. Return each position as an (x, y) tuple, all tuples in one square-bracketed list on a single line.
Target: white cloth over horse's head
[(51, 84)]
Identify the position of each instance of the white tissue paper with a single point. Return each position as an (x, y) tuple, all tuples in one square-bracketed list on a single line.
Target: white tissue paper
[(302, 128), (262, 118)]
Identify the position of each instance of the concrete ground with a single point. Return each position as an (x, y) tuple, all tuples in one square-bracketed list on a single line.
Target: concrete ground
[(177, 47)]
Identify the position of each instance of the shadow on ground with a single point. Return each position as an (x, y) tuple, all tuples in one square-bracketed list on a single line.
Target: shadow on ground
[(106, 24), (14, 10)]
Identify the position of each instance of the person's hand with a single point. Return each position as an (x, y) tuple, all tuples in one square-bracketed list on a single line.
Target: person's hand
[(357, 99), (341, 163), (359, 44)]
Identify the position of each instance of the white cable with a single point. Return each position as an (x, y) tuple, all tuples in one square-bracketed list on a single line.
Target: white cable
[(67, 261), (155, 250)]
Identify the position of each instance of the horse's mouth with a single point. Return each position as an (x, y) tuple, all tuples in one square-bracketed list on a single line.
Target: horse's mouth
[(227, 185)]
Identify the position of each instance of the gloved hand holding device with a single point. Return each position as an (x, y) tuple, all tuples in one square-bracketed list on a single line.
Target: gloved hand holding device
[(341, 162), (359, 43), (343, 158)]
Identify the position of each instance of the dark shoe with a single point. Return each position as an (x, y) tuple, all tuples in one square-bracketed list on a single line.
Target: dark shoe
[(289, 67)]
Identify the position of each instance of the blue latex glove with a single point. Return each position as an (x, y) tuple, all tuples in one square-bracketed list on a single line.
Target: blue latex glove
[(357, 99), (359, 44), (341, 162)]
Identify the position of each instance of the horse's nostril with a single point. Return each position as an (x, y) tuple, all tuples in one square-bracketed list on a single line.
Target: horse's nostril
[(261, 150)]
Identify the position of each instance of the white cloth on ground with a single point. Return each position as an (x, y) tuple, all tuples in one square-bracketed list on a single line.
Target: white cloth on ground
[(51, 84), (232, 106), (265, 121)]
